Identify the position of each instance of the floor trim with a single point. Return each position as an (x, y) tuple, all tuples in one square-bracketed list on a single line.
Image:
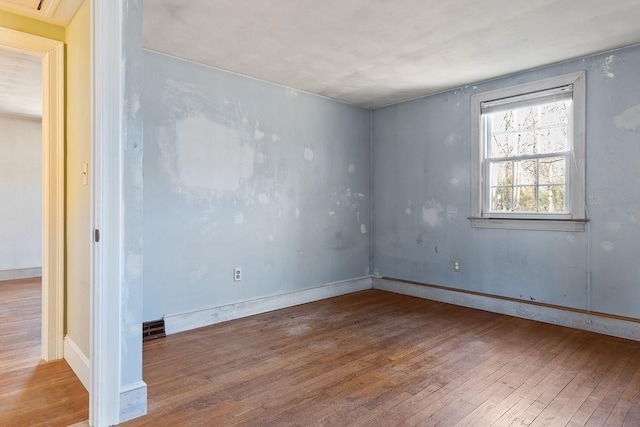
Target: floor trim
[(616, 327), (21, 273), (180, 322), (77, 360), (133, 401)]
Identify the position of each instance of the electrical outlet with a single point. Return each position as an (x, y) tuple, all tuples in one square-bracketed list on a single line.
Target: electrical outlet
[(237, 274), (457, 266)]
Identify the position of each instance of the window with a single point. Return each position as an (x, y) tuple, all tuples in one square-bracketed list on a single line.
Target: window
[(528, 156)]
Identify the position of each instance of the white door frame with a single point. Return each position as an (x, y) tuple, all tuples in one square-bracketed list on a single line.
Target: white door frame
[(52, 54)]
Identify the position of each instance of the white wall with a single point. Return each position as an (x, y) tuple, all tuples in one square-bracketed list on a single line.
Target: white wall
[(20, 194)]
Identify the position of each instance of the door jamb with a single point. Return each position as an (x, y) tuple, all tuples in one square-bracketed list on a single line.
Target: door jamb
[(106, 205), (52, 54)]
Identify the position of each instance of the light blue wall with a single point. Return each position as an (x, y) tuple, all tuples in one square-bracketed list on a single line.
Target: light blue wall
[(421, 199), (242, 173), (132, 220)]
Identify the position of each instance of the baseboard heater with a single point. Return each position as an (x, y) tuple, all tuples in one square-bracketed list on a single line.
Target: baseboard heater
[(153, 330)]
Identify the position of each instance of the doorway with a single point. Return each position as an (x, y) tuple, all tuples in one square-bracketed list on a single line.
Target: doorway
[(51, 53)]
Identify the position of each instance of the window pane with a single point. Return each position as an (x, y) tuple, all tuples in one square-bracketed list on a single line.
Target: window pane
[(503, 144), (527, 142), (500, 199), (501, 173), (502, 121), (525, 172), (524, 199), (526, 118), (553, 140), (552, 170), (554, 114), (551, 198)]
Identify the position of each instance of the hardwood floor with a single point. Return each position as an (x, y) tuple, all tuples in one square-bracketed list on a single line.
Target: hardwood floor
[(376, 358), (32, 392)]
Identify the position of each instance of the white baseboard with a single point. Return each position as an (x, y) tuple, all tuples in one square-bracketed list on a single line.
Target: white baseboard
[(21, 273), (180, 322), (556, 316), (77, 360), (133, 401)]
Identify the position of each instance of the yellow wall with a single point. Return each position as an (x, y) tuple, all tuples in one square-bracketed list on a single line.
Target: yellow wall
[(78, 195), (31, 26)]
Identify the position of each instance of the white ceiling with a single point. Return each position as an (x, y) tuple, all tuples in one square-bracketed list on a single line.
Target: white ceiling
[(20, 84), (377, 52), (21, 74)]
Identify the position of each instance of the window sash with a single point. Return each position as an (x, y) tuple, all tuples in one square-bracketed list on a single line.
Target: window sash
[(515, 102), (566, 184)]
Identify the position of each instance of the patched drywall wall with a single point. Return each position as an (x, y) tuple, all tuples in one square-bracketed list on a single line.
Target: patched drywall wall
[(20, 193), (242, 173), (132, 219), (421, 181)]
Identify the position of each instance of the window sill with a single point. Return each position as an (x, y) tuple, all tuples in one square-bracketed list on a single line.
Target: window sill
[(572, 225)]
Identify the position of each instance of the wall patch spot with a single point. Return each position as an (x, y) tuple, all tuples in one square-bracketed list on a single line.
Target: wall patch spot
[(291, 93), (135, 105), (297, 212), (351, 168), (271, 238), (238, 218), (606, 66), (260, 158), (432, 213), (308, 154), (211, 156), (613, 227), (629, 119), (258, 135), (455, 182), (407, 211), (363, 228), (275, 137), (263, 198), (452, 139), (199, 273), (452, 213), (607, 246)]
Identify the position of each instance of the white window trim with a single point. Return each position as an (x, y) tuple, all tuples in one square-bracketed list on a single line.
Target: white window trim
[(577, 218)]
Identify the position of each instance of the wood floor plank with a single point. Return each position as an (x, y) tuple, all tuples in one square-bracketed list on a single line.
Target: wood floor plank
[(32, 392), (377, 358)]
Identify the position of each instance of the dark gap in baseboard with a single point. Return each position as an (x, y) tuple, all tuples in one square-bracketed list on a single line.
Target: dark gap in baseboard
[(153, 330)]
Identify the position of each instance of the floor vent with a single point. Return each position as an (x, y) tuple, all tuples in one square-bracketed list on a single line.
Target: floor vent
[(152, 330)]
